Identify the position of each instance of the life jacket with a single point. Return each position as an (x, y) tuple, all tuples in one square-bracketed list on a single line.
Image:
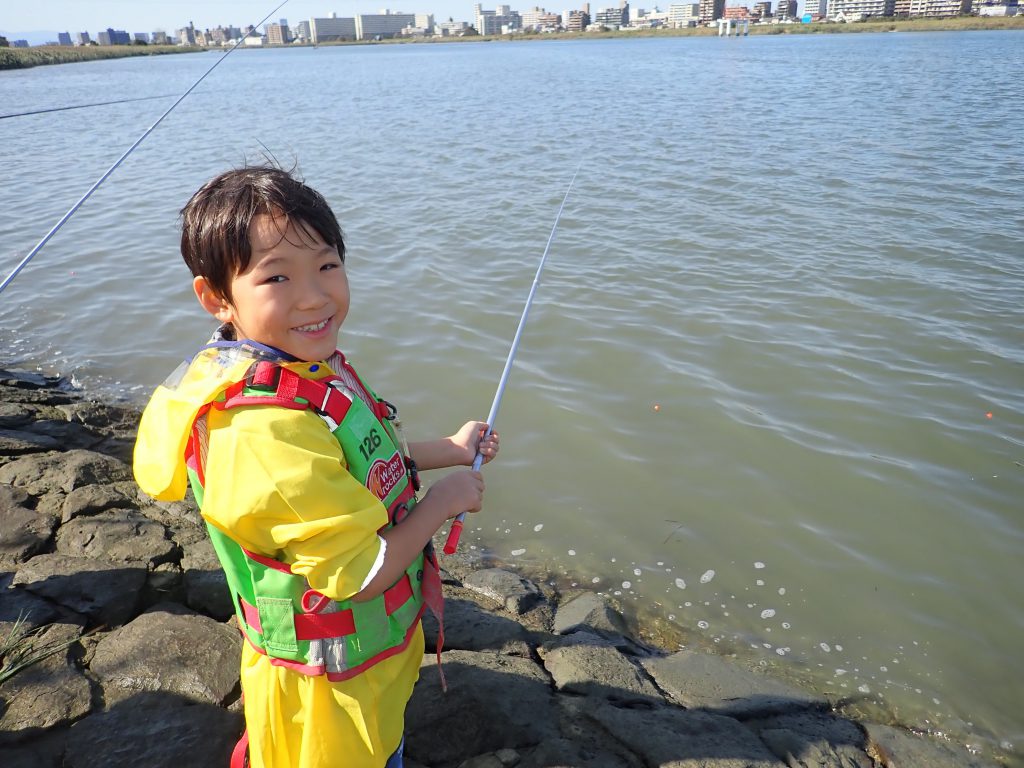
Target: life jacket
[(279, 615)]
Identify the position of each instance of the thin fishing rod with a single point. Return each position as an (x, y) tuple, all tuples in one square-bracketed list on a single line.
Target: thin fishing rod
[(83, 106), (21, 265), (452, 542)]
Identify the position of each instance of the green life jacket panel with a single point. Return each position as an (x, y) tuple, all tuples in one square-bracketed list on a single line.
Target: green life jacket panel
[(280, 616)]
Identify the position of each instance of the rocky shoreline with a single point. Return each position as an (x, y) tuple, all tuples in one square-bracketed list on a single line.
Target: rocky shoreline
[(124, 602)]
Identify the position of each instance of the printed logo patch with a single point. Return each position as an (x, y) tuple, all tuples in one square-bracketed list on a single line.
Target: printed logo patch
[(384, 476)]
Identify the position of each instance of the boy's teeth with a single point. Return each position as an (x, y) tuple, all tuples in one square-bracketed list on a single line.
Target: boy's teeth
[(313, 326)]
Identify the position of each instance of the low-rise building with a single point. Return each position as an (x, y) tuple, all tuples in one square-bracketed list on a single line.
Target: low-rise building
[(998, 9), (939, 8)]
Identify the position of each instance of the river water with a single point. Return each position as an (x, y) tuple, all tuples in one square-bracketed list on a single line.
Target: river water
[(769, 398)]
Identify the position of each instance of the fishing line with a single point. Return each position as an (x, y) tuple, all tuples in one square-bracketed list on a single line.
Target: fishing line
[(452, 542), (21, 265), (83, 106)]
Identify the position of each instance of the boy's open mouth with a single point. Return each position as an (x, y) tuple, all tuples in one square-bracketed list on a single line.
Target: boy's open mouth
[(313, 327)]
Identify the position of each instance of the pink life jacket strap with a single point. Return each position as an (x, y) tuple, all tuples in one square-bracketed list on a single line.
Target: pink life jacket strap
[(285, 388)]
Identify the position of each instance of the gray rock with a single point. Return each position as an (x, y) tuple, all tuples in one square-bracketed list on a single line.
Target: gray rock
[(186, 654), (587, 665), (24, 532), (63, 471), (21, 606), (514, 593), (155, 730), (14, 442), (105, 593), (899, 749), (116, 536), (14, 415), (493, 702), (468, 627), (589, 611), (700, 680), (90, 499), (669, 737), (47, 751), (814, 740), (26, 379), (49, 693), (569, 753), (206, 586)]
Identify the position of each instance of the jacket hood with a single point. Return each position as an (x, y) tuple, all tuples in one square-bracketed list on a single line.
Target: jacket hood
[(159, 460)]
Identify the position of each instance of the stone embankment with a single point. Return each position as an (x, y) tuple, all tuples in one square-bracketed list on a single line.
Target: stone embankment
[(126, 598)]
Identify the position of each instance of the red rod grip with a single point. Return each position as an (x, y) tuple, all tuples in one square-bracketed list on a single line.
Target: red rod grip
[(452, 542)]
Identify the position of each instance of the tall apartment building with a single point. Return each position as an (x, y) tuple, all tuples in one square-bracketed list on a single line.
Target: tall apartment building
[(82, 38), (332, 29), (538, 18), (615, 18), (496, 21), (425, 21), (711, 10), (63, 38), (141, 37), (159, 38), (277, 34), (575, 21), (763, 10), (682, 15)]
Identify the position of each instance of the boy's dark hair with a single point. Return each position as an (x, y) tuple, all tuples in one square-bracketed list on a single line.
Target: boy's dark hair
[(215, 221)]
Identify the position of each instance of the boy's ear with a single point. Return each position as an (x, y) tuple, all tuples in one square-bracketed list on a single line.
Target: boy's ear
[(212, 301)]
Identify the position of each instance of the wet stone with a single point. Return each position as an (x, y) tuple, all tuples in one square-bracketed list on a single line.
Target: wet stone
[(514, 593)]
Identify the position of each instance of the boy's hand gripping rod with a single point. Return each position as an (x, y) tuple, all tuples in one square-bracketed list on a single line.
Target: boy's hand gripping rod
[(452, 542)]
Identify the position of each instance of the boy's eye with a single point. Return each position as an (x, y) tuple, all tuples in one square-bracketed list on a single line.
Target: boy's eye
[(330, 265), (275, 279)]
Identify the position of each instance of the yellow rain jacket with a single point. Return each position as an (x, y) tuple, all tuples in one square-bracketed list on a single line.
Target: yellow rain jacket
[(276, 483)]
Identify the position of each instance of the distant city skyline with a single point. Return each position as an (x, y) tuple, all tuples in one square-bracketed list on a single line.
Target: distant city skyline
[(133, 16)]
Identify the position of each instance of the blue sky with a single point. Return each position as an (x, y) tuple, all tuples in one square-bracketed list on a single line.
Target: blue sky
[(148, 15)]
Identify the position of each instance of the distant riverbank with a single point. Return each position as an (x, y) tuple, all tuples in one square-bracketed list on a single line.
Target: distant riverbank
[(19, 58), (22, 58)]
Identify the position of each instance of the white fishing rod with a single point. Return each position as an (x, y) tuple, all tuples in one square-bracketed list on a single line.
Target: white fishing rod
[(39, 246), (452, 542)]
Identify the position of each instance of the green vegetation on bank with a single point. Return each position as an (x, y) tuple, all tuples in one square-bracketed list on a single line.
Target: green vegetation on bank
[(20, 58)]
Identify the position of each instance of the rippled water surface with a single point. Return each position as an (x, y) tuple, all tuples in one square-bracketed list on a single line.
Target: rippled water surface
[(770, 396)]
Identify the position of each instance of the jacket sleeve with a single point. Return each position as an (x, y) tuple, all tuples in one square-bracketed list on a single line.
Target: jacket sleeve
[(277, 483)]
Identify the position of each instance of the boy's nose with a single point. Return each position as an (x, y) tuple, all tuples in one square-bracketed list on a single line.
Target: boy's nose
[(313, 296)]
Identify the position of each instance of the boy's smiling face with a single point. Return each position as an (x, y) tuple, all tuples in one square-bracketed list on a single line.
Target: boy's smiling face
[(293, 296)]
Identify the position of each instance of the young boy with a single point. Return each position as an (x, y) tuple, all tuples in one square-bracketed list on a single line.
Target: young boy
[(303, 478)]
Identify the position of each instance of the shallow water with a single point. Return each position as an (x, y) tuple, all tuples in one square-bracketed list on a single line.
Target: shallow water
[(770, 392)]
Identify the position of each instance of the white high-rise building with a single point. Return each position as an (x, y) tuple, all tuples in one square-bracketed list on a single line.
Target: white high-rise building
[(681, 15), (332, 29), (370, 26)]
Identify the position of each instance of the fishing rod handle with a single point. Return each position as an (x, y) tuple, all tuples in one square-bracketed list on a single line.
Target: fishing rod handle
[(455, 532)]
